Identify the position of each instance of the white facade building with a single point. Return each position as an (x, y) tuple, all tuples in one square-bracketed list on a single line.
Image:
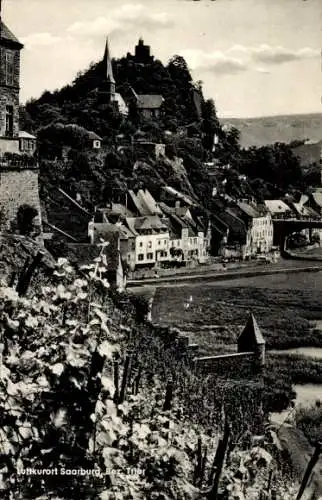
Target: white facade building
[(151, 239)]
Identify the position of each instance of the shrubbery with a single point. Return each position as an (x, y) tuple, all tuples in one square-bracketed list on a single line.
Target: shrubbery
[(66, 403)]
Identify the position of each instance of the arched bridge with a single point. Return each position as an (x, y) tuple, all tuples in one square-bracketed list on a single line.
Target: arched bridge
[(284, 227)]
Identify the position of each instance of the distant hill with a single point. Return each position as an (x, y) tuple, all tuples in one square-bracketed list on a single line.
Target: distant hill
[(270, 129)]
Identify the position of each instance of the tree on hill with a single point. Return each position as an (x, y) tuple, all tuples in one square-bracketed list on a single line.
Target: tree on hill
[(210, 124)]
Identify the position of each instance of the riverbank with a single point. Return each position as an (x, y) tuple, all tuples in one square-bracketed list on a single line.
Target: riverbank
[(285, 267)]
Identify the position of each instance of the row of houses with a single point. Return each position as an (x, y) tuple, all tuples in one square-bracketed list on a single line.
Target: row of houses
[(244, 228), (154, 234), (241, 229)]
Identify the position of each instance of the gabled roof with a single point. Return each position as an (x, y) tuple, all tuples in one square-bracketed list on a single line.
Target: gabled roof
[(227, 219), (304, 210), (147, 101), (93, 136), (177, 195), (118, 208), (277, 206), (150, 222), (179, 218), (251, 334), (183, 212), (153, 222), (248, 210), (26, 135), (6, 34), (144, 203), (138, 204), (317, 198), (149, 201)]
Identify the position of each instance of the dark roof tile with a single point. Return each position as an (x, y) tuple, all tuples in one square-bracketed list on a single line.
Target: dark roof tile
[(6, 34), (147, 101)]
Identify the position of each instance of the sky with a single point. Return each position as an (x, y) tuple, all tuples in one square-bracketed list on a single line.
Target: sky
[(254, 57)]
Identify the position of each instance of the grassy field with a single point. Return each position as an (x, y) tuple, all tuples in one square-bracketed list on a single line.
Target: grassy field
[(214, 314)]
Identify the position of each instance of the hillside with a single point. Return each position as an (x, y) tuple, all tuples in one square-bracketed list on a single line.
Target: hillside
[(186, 123), (269, 129), (64, 118)]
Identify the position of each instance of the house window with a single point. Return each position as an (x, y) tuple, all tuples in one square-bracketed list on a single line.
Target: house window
[(141, 244), (159, 242), (165, 254), (133, 245), (26, 145), (195, 240), (128, 256), (149, 256), (150, 244), (141, 256), (9, 68), (9, 120), (165, 242)]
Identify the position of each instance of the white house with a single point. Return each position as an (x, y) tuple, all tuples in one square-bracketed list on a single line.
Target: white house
[(151, 239), (94, 140), (186, 234), (259, 224)]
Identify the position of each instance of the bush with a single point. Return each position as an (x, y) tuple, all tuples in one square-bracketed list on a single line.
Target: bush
[(309, 420)]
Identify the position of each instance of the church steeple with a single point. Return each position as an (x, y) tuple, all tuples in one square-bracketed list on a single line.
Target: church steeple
[(108, 70)]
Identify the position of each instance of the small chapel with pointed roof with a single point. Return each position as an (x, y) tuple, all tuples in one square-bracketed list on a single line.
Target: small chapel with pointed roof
[(252, 340)]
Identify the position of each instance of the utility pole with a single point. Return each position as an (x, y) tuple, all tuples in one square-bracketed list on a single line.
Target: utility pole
[(310, 466)]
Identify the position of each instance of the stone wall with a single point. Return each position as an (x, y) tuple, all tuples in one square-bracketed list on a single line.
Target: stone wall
[(237, 365), (17, 187)]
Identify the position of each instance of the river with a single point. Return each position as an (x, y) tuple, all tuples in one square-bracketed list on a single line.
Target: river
[(306, 394)]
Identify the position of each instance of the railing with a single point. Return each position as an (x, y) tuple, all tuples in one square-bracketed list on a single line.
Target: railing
[(297, 219), (15, 160)]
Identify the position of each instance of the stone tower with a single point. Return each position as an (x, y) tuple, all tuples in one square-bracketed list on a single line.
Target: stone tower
[(142, 53), (18, 167)]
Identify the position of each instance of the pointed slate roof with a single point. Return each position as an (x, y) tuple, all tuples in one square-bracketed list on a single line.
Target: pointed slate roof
[(149, 101), (251, 334), (6, 34), (108, 63)]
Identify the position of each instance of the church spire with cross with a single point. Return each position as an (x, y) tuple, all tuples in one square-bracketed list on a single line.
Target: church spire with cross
[(108, 70)]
